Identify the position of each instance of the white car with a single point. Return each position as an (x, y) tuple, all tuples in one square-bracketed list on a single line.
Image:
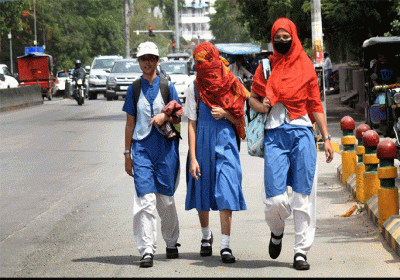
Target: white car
[(181, 75), (98, 74), (6, 78), (62, 78)]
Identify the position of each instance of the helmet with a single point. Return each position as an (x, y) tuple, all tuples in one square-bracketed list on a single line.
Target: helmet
[(147, 48), (77, 63)]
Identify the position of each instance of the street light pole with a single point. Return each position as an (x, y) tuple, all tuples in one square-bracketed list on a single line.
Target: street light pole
[(11, 60), (34, 23), (176, 24)]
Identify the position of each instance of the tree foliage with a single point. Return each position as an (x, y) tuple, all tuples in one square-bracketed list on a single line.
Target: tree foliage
[(346, 23), (226, 15)]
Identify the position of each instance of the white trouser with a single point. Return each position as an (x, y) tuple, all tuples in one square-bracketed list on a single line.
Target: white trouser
[(279, 208), (145, 221)]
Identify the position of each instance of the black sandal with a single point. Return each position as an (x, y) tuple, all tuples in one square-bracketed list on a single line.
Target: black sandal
[(275, 250), (300, 264), (206, 250), (227, 258), (146, 262)]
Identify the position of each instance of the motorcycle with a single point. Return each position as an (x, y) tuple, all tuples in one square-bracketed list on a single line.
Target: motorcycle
[(396, 116), (79, 91)]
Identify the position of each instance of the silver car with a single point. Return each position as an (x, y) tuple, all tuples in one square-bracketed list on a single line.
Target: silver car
[(122, 74)]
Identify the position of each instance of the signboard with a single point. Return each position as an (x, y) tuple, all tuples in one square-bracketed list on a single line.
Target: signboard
[(29, 50)]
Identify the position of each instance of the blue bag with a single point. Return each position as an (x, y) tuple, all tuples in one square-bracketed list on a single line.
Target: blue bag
[(255, 123)]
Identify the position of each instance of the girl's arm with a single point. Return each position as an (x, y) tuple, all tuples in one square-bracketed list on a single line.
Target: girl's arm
[(194, 168), (129, 129)]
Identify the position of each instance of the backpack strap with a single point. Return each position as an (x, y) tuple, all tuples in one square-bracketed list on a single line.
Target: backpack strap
[(164, 88), (197, 97)]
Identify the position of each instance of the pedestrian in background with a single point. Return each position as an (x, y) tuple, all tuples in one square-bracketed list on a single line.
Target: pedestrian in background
[(328, 69), (214, 174), (154, 163), (291, 97)]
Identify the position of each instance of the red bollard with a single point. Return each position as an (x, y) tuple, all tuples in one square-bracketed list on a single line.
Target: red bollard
[(349, 157), (388, 194), (371, 161), (360, 168)]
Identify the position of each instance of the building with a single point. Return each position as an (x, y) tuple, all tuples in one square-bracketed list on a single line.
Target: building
[(195, 20)]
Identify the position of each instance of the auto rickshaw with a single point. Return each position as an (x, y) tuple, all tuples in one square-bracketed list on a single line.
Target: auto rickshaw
[(230, 50), (37, 68), (381, 80)]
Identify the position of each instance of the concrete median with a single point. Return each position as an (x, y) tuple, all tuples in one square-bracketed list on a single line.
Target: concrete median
[(20, 97)]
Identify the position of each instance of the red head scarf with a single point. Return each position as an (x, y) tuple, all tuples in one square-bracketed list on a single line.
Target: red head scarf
[(293, 81), (217, 85)]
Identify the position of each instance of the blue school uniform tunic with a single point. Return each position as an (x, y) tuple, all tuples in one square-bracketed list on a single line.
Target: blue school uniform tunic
[(155, 158), (220, 185)]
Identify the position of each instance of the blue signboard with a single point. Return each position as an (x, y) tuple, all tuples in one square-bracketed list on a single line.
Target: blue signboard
[(38, 49)]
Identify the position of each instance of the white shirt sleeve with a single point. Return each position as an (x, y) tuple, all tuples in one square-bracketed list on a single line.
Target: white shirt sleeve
[(190, 110)]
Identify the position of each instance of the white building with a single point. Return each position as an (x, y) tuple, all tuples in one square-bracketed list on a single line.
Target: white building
[(195, 20)]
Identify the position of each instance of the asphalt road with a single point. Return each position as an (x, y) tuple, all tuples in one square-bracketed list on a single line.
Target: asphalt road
[(66, 206)]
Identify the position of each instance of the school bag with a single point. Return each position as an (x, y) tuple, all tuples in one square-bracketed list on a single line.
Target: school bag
[(164, 88)]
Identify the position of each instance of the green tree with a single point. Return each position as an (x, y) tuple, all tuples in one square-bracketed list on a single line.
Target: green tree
[(227, 12)]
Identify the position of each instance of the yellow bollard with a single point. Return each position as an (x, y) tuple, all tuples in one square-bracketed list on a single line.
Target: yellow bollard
[(360, 168), (388, 194), (371, 161), (349, 157)]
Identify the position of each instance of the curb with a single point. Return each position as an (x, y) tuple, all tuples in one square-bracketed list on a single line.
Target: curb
[(390, 228)]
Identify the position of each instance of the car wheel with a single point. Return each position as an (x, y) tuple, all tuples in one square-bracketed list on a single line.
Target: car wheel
[(109, 98)]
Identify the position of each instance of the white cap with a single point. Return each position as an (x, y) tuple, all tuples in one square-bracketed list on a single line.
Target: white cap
[(147, 48)]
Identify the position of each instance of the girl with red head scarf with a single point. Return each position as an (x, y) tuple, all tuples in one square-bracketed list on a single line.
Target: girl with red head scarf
[(291, 98), (214, 174)]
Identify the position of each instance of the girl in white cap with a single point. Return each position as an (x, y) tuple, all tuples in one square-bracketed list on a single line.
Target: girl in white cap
[(154, 163)]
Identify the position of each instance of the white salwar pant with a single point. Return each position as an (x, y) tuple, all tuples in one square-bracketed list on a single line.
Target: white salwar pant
[(278, 209), (145, 221)]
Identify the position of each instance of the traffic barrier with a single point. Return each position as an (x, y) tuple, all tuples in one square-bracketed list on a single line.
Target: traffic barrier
[(388, 194), (19, 97), (371, 161), (349, 157), (360, 168)]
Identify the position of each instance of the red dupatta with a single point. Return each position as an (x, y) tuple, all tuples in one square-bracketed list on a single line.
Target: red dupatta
[(293, 81), (217, 86)]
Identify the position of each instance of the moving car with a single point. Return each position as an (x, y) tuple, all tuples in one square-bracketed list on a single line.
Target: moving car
[(121, 75), (6, 79), (98, 74), (181, 75)]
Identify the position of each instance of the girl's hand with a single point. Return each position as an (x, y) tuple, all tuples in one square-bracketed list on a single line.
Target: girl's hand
[(158, 119), (194, 169), (266, 104), (128, 165), (218, 113)]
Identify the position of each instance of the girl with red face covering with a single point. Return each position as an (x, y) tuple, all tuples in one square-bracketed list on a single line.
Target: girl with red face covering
[(215, 179), (291, 98)]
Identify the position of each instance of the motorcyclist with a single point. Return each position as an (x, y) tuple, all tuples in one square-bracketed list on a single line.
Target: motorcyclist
[(78, 73)]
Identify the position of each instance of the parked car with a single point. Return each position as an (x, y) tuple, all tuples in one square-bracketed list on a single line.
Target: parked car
[(6, 78), (121, 75), (98, 74), (181, 75), (62, 78)]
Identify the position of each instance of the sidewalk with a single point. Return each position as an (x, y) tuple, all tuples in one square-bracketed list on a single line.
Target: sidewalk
[(335, 112)]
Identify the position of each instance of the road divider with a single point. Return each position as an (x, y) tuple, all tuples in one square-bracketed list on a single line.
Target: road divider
[(11, 98)]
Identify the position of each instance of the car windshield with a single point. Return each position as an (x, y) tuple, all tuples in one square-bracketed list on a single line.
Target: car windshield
[(103, 63), (174, 67), (63, 75), (126, 67)]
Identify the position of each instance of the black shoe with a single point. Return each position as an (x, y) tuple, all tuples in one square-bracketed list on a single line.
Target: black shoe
[(172, 253), (275, 250), (146, 262), (206, 250), (300, 265), (227, 258)]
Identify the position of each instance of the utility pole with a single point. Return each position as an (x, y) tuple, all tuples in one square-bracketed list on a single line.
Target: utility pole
[(317, 45), (128, 5), (34, 24), (176, 24)]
